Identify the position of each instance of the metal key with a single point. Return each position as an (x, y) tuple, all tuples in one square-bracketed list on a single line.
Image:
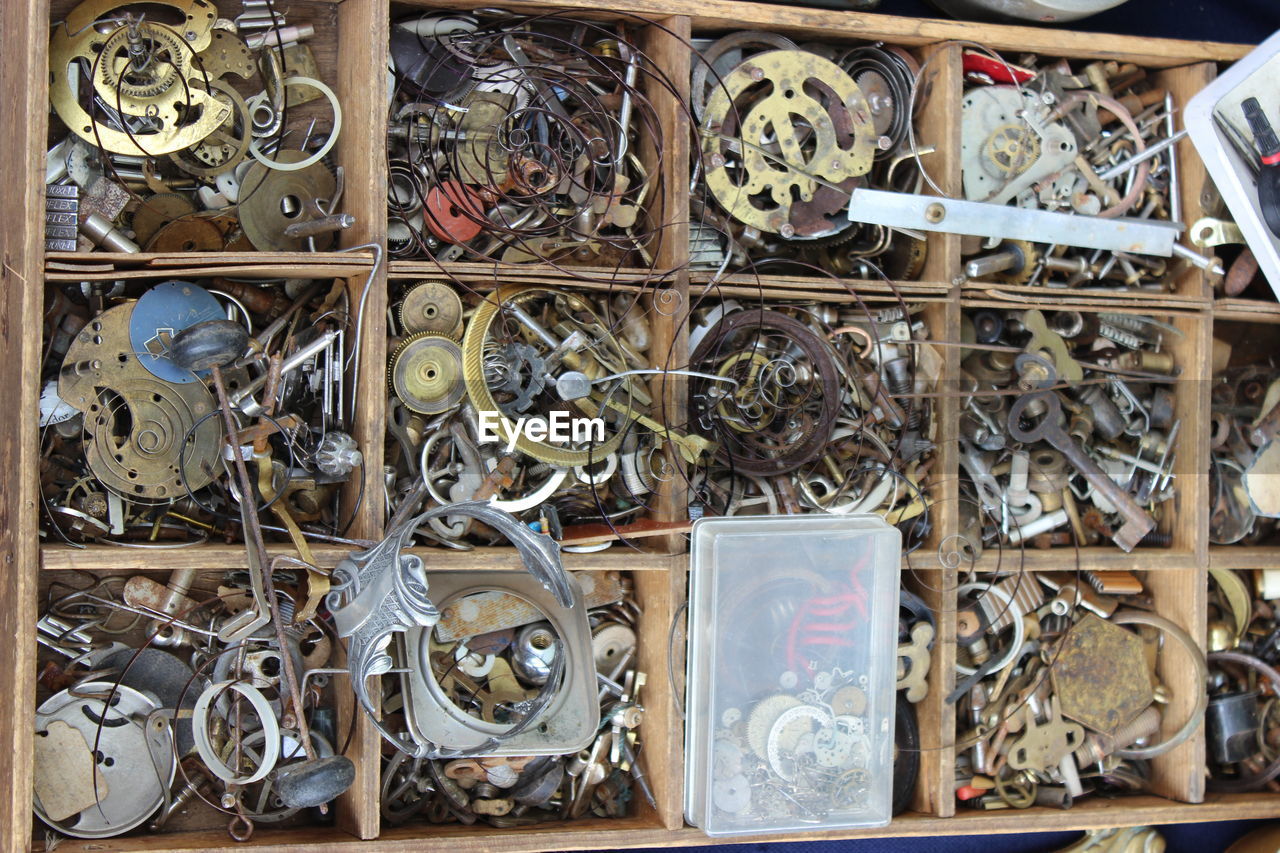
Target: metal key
[(1137, 521)]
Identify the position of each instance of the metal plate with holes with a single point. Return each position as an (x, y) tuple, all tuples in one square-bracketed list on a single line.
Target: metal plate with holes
[(132, 789), (806, 91)]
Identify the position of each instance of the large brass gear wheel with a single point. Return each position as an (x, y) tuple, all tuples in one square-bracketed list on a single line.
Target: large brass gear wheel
[(425, 372), (822, 123), (432, 306), (181, 114), (483, 332)]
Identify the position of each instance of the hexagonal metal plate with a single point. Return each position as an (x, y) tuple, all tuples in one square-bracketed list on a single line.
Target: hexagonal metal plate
[(1100, 675)]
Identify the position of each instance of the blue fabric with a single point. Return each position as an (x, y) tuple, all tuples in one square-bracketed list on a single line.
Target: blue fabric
[(1181, 838), (1242, 21)]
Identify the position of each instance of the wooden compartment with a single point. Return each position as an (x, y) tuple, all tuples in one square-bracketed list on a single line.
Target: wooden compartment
[(934, 135), (1183, 282), (342, 61), (1242, 337), (198, 819), (1183, 517), (658, 753), (660, 523), (353, 274), (663, 82), (357, 32), (1177, 595)]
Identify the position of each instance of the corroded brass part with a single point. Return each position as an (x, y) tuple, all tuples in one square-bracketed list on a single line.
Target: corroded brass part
[(1100, 674), (162, 91), (426, 373), (135, 425), (807, 92), (432, 306)]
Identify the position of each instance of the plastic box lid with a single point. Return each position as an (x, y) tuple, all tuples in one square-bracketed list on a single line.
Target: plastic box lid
[(791, 673)]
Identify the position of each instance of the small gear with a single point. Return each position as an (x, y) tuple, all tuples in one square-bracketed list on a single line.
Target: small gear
[(879, 97), (425, 372), (432, 306), (762, 717), (1020, 273), (1012, 149)]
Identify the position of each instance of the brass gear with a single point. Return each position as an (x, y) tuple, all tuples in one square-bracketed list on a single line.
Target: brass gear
[(1022, 273), (425, 372), (762, 717), (1012, 149), (479, 331), (432, 306)]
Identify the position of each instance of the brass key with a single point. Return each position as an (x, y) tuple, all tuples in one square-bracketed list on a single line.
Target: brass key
[(1137, 521)]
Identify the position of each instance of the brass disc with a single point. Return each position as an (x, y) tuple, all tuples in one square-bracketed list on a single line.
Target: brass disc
[(271, 200), (156, 212), (187, 235), (139, 432), (432, 306), (426, 373)]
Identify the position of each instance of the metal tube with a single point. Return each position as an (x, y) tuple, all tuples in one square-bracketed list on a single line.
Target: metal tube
[(1151, 151)]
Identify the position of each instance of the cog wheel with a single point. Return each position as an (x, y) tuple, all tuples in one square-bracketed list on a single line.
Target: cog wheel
[(425, 372), (1022, 273), (880, 96), (432, 306), (1012, 149), (762, 717)]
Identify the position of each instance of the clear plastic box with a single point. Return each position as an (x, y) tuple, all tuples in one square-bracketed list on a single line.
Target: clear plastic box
[(792, 663)]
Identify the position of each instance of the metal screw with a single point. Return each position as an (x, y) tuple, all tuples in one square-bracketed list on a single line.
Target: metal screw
[(935, 213), (787, 230)]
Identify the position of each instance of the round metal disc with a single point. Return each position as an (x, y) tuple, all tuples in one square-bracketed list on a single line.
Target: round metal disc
[(432, 306), (426, 373), (162, 312), (187, 235), (157, 211), (271, 200), (880, 97)]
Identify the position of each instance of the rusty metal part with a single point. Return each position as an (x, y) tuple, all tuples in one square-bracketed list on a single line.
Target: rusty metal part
[(487, 612), (806, 92), (193, 234), (1100, 674), (751, 452), (1138, 522), (155, 212)]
